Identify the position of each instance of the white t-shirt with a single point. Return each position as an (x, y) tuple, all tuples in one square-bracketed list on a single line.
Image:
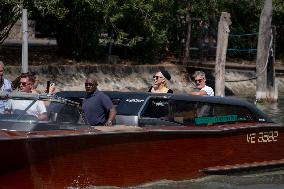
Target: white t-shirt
[(36, 109), (208, 90)]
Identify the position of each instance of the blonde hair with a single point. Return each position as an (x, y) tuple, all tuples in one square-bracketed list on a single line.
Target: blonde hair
[(165, 84)]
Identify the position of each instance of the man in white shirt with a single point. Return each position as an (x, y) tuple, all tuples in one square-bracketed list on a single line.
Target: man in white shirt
[(5, 86), (37, 109), (200, 83)]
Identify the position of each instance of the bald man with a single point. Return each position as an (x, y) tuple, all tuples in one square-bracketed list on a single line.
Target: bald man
[(97, 106)]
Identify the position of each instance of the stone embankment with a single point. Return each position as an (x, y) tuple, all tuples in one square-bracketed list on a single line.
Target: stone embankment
[(136, 77), (110, 77), (70, 75)]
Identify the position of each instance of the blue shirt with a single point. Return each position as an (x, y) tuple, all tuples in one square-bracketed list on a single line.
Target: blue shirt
[(96, 107), (6, 87)]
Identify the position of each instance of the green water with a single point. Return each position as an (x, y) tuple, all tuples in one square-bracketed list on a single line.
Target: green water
[(274, 110)]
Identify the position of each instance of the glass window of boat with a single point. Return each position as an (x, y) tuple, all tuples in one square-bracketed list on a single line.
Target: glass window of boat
[(128, 106), (209, 114), (197, 113), (22, 109), (26, 109), (184, 112), (64, 113), (157, 112), (156, 108)]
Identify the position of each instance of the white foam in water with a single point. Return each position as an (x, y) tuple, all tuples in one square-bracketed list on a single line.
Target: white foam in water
[(265, 180)]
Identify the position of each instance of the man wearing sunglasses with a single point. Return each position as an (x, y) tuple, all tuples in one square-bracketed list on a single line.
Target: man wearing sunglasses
[(37, 109), (97, 106), (200, 84)]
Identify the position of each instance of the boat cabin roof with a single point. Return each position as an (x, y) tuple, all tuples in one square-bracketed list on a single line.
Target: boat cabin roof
[(132, 103), (133, 109)]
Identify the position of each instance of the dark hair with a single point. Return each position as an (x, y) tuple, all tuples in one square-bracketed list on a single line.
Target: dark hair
[(31, 76), (16, 82), (166, 74)]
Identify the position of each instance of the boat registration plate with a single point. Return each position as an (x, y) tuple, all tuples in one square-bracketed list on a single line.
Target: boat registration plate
[(263, 137)]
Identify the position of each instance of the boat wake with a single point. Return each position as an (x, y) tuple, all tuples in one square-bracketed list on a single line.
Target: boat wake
[(266, 180)]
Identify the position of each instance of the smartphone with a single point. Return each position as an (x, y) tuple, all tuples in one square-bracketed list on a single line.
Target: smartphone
[(47, 86)]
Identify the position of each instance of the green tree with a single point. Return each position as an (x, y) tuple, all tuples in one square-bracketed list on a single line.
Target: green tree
[(143, 30), (9, 14)]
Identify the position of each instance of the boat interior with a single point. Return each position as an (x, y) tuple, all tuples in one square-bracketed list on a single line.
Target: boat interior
[(133, 109)]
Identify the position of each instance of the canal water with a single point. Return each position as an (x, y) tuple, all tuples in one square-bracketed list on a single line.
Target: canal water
[(274, 110), (262, 180)]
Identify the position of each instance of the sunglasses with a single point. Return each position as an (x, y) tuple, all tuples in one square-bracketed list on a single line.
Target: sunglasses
[(198, 80), (157, 77), (24, 84), (89, 84)]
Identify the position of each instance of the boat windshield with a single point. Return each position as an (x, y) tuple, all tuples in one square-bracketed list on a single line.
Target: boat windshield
[(39, 110), (17, 112)]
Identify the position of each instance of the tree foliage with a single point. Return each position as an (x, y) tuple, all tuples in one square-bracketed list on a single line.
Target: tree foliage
[(9, 14), (139, 29)]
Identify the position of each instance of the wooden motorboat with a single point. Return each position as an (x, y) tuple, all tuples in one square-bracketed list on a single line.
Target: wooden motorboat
[(156, 137)]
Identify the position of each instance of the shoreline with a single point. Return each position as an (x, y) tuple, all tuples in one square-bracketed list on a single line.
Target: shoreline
[(117, 77)]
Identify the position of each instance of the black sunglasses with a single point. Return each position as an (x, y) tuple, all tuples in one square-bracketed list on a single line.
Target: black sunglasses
[(157, 77), (24, 84), (89, 84), (198, 80)]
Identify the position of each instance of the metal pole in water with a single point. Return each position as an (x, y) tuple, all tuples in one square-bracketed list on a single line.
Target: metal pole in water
[(24, 41)]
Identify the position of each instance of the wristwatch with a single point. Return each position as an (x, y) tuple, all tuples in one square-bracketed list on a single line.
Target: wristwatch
[(109, 122)]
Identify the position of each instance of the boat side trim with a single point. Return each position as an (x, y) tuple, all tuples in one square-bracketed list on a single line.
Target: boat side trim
[(236, 168)]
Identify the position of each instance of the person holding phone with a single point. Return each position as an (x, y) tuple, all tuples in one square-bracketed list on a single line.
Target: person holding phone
[(50, 88)]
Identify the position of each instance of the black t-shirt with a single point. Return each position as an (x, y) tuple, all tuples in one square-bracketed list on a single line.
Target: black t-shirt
[(169, 91)]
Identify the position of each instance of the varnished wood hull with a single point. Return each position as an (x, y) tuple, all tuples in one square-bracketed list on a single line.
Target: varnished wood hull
[(92, 158)]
